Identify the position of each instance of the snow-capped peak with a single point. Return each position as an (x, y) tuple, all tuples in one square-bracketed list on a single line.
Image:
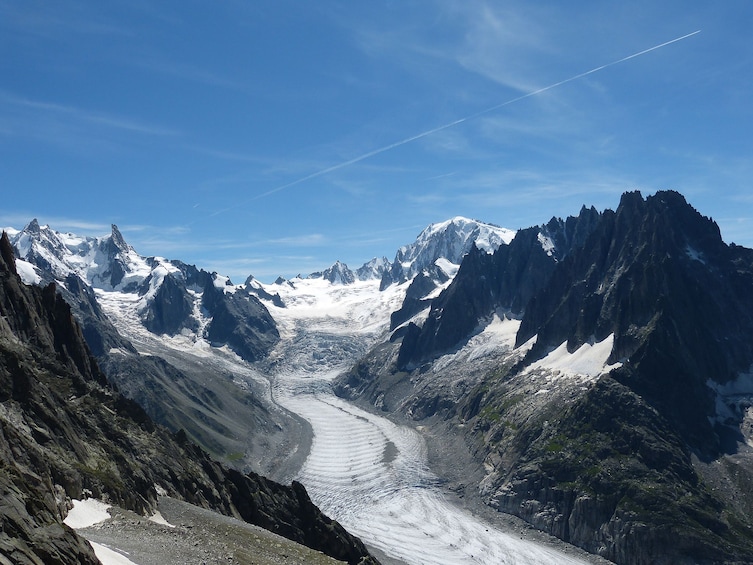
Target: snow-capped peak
[(339, 273), (449, 240), (106, 262), (373, 269), (487, 237)]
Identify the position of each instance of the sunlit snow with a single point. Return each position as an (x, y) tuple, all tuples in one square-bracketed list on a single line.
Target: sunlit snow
[(589, 360), (86, 513), (27, 272), (110, 556)]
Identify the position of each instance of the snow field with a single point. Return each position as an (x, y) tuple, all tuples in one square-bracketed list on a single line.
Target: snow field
[(588, 361), (86, 513)]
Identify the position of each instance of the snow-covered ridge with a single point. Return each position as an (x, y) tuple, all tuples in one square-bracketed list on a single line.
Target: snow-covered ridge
[(452, 239), (107, 263), (441, 245), (488, 237)]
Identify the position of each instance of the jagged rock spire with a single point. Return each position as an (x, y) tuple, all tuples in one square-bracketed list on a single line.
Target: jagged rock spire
[(33, 227), (6, 252), (117, 239)]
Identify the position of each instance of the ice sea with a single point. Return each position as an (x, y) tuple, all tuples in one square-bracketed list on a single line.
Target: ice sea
[(363, 470)]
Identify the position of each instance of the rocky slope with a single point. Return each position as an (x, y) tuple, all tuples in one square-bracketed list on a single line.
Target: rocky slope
[(599, 369), (66, 432)]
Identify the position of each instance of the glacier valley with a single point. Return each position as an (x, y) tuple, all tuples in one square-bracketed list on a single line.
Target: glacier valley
[(362, 469)]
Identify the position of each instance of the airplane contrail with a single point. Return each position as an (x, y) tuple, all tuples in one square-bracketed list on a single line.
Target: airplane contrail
[(437, 129)]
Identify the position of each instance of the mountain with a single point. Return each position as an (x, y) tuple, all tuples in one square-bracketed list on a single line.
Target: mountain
[(590, 375), (373, 269), (448, 241), (340, 273), (598, 369), (503, 277), (65, 432), (431, 262), (151, 299), (174, 296)]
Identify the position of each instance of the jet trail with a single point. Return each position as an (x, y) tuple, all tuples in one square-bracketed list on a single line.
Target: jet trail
[(466, 118)]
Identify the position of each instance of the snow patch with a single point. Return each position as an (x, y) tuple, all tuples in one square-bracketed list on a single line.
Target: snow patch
[(498, 336), (448, 268), (733, 398), (110, 556), (157, 518), (223, 283), (27, 272), (87, 513), (546, 243), (589, 360), (695, 255)]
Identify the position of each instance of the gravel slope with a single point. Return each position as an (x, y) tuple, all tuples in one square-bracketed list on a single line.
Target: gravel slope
[(196, 536)]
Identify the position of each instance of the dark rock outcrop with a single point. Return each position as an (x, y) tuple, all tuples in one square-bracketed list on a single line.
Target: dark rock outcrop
[(114, 248), (415, 299), (679, 302), (240, 321), (64, 432), (170, 308)]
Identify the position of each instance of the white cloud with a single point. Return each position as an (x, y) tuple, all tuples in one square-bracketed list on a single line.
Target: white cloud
[(306, 240)]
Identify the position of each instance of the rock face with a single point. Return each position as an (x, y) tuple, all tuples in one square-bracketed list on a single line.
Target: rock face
[(169, 308), (618, 416), (241, 321), (64, 432)]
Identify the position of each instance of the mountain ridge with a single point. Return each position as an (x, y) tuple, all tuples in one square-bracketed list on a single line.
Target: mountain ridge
[(597, 368)]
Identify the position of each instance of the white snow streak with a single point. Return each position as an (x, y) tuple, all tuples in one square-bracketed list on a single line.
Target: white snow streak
[(109, 556), (27, 272), (589, 360)]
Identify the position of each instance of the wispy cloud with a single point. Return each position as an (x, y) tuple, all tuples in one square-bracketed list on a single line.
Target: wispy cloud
[(19, 220), (188, 72), (84, 116), (306, 240), (53, 20), (461, 120)]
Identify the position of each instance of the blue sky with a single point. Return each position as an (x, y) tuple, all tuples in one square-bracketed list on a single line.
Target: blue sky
[(275, 137)]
